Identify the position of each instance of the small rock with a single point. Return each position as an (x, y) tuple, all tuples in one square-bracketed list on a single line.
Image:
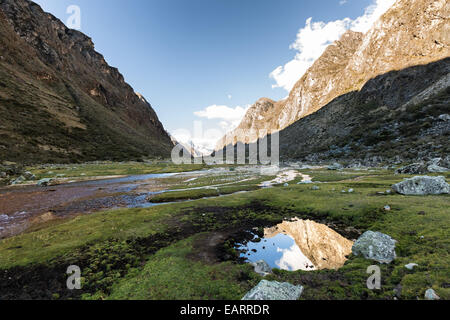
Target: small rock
[(387, 208), (433, 168), (18, 180), (343, 191), (388, 191), (415, 168), (422, 185), (410, 266), (286, 184), (315, 188), (44, 182), (444, 117), (430, 294), (262, 268), (398, 291), (351, 190), (273, 290), (375, 246)]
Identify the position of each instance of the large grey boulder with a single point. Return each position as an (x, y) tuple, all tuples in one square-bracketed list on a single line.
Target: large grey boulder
[(415, 168), (375, 246), (273, 290), (422, 185), (262, 268)]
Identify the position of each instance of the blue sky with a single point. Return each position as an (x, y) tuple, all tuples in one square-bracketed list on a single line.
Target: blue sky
[(187, 55)]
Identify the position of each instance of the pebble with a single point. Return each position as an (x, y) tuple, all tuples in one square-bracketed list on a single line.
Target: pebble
[(410, 266)]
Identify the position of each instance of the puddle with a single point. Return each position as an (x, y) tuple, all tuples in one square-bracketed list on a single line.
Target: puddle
[(298, 245)]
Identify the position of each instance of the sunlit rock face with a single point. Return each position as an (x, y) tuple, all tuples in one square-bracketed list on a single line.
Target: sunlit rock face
[(410, 33), (322, 246)]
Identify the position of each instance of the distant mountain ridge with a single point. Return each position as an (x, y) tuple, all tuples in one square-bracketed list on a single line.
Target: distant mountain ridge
[(60, 101), (410, 33)]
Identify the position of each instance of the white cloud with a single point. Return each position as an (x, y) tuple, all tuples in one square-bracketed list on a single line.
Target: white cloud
[(342, 2), (229, 118), (315, 37), (230, 97)]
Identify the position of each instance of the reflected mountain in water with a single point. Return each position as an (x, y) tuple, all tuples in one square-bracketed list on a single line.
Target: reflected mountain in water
[(299, 245)]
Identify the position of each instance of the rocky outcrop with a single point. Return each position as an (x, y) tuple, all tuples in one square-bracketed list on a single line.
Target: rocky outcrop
[(423, 185), (437, 165), (273, 290), (411, 33), (375, 246), (60, 100)]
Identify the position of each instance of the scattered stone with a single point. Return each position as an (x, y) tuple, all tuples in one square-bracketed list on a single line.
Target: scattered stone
[(18, 180), (343, 191), (351, 190), (44, 182), (415, 168), (375, 246), (305, 182), (387, 208), (430, 294), (273, 290), (315, 188), (262, 268), (422, 185), (410, 266), (398, 291), (444, 117), (388, 191), (335, 166), (29, 176), (286, 184)]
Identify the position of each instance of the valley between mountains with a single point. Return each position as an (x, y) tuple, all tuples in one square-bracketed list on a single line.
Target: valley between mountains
[(86, 178)]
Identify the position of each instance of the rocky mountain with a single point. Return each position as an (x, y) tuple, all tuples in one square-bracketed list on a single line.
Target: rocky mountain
[(411, 33), (59, 99)]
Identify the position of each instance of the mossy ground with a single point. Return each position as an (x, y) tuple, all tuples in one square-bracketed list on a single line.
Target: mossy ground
[(111, 246)]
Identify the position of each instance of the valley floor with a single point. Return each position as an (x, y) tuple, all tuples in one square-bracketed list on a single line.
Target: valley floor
[(178, 242)]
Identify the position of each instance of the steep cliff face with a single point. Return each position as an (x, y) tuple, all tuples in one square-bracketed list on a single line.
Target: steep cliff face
[(61, 101), (412, 32), (396, 117)]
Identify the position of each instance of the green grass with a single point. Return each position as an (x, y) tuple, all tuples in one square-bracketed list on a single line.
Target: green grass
[(172, 273), (112, 169)]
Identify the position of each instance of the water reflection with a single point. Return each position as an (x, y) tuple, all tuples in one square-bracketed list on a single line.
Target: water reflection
[(298, 245)]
